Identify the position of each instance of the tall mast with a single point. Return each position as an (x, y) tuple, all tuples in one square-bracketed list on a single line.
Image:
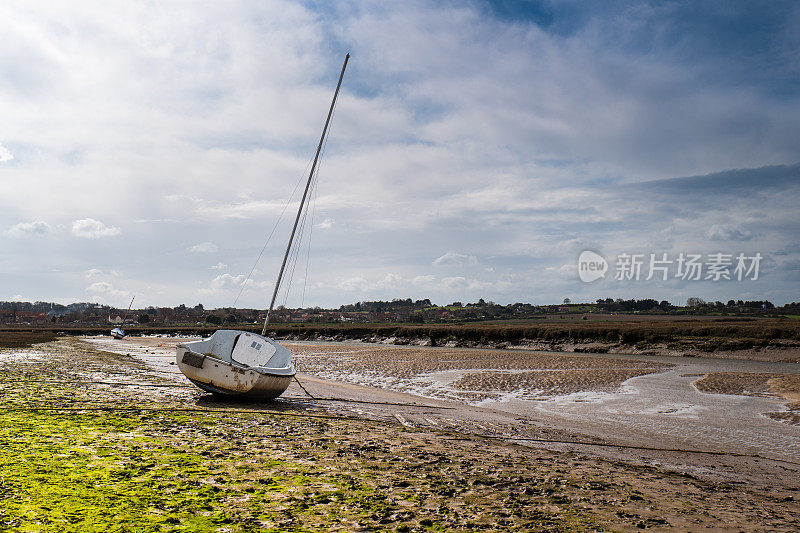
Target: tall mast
[(128, 311), (305, 194)]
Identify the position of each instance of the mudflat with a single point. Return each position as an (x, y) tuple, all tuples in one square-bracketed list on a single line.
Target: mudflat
[(100, 435)]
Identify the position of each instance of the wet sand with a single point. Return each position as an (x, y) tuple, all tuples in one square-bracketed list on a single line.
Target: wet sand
[(627, 400), (769, 385), (473, 374), (416, 461), (633, 400)]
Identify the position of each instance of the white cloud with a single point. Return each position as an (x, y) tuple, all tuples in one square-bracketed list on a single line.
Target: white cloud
[(460, 283), (325, 224), (106, 291), (399, 284), (5, 154), (355, 283), (26, 229), (226, 281), (455, 283), (566, 272), (204, 248), (423, 281), (728, 232), (96, 272), (453, 258), (389, 281), (100, 287), (219, 266), (226, 284), (89, 228)]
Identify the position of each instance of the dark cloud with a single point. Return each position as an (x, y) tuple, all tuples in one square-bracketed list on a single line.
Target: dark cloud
[(777, 178)]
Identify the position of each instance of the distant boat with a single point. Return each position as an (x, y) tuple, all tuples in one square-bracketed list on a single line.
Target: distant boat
[(119, 333), (240, 363)]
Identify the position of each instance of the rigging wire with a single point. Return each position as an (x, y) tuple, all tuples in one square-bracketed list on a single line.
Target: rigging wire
[(293, 260), (329, 126), (314, 181), (310, 232), (296, 252), (313, 214), (308, 252), (271, 233), (298, 249)]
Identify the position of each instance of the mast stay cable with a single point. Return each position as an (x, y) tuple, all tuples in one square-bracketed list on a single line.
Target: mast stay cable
[(305, 195)]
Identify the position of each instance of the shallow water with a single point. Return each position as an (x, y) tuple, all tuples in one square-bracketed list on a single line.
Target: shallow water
[(667, 407), (159, 359), (659, 409)]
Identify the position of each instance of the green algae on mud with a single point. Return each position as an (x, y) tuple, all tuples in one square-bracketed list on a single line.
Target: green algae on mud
[(111, 471), (87, 473), (90, 472)]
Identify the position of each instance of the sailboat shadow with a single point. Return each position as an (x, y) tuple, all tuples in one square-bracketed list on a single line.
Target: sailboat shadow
[(213, 401)]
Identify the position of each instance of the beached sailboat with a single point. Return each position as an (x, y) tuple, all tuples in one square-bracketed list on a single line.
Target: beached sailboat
[(240, 363), (119, 333)]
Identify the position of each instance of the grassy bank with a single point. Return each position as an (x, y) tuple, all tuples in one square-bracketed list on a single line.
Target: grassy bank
[(704, 335), (24, 338)]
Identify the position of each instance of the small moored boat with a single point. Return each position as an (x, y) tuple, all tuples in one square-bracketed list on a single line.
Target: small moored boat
[(119, 333)]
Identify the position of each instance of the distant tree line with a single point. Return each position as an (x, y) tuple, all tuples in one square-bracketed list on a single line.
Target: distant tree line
[(620, 305), (699, 303), (383, 307), (420, 311)]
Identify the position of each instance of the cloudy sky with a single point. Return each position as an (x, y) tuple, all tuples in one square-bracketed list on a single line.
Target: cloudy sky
[(477, 149)]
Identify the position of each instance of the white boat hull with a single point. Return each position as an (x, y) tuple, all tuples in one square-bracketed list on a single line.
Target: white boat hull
[(204, 364), (223, 378)]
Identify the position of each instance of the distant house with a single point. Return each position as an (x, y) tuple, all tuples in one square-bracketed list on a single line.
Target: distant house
[(7, 317), (31, 317), (116, 320)]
